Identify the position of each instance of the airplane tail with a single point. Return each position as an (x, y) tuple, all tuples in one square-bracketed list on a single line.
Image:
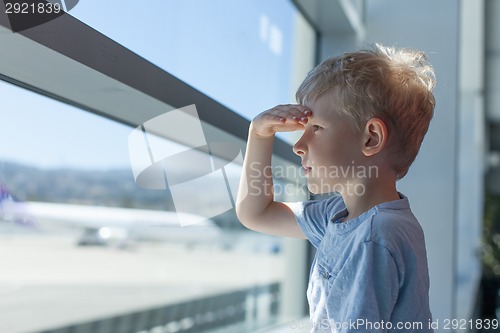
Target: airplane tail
[(12, 210), (4, 194)]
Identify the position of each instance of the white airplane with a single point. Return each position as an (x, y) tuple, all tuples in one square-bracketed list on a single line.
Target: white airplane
[(119, 227)]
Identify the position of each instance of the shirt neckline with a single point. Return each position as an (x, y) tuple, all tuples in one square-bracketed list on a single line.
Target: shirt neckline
[(338, 225)]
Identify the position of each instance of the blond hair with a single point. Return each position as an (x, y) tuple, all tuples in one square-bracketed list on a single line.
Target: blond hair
[(392, 84)]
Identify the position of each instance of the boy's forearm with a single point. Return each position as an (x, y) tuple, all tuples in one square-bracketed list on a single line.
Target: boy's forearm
[(256, 184)]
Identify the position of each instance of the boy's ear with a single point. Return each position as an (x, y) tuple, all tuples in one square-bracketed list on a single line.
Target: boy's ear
[(374, 136)]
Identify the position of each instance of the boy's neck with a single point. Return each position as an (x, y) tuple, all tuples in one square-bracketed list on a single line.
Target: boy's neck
[(375, 192)]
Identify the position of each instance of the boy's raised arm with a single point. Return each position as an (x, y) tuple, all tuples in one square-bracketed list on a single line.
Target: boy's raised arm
[(255, 207)]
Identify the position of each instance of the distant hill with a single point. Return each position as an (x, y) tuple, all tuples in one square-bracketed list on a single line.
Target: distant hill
[(115, 188)]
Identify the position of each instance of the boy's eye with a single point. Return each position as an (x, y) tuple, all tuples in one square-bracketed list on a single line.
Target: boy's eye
[(316, 127)]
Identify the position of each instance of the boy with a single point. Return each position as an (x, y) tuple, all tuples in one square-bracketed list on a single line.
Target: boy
[(364, 116)]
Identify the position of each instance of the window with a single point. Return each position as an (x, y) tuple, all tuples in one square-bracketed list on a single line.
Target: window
[(84, 246)]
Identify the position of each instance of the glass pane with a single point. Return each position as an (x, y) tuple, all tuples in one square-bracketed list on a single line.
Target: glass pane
[(248, 55), (83, 246)]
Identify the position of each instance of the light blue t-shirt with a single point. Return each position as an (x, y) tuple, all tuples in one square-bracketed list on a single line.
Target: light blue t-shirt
[(370, 273)]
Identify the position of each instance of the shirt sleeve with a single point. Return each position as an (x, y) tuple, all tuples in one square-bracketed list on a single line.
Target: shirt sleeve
[(367, 289), (313, 216)]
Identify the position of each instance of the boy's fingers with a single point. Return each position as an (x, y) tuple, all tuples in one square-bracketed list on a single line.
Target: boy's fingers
[(293, 112), (288, 119), (276, 118), (282, 118)]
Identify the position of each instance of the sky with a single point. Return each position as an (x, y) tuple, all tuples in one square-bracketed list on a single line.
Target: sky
[(241, 60)]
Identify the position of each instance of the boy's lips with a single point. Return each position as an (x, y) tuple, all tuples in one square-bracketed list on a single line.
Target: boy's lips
[(307, 168)]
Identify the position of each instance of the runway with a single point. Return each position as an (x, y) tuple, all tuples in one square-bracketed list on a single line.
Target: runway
[(46, 281)]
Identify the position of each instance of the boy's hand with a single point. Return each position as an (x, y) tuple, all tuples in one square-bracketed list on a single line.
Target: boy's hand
[(281, 118), (255, 206)]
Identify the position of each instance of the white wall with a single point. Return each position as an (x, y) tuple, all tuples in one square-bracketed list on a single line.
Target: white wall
[(471, 154)]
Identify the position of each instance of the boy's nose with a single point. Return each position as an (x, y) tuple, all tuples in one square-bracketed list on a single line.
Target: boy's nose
[(299, 148)]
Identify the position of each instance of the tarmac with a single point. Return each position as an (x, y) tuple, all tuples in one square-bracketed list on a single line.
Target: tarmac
[(47, 281)]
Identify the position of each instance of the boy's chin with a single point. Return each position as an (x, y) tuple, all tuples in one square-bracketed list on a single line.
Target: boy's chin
[(316, 189)]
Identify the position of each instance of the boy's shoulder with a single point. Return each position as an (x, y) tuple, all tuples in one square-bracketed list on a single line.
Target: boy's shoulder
[(394, 226)]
